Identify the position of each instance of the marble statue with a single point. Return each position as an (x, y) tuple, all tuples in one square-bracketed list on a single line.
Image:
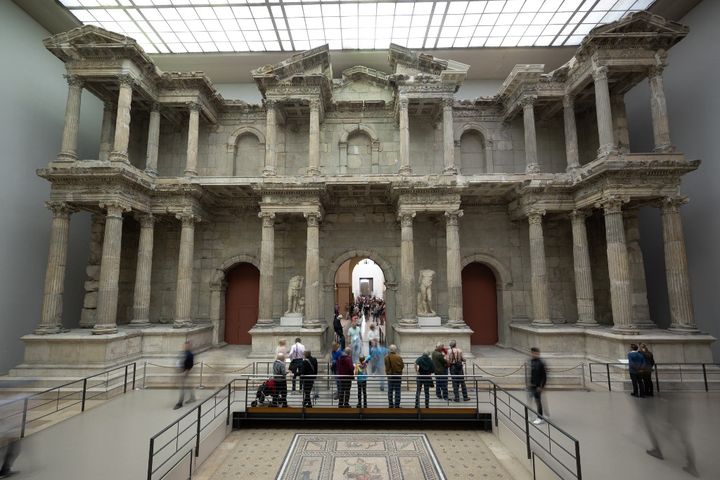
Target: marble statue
[(296, 301), (425, 293)]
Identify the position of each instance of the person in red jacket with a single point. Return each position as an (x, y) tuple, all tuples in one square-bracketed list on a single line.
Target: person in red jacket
[(345, 372)]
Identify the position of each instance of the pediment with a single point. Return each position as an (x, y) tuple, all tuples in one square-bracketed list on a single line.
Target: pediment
[(363, 84), (88, 35), (408, 63), (640, 22), (638, 30), (310, 62)]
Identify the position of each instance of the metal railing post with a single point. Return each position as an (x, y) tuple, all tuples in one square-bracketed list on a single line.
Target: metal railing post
[(657, 380), (144, 373), (582, 372), (527, 432), (125, 380), (495, 403), (607, 369), (150, 459), (590, 371), (705, 377), (227, 421), (82, 407), (202, 364), (197, 432), (133, 377), (577, 460), (24, 418)]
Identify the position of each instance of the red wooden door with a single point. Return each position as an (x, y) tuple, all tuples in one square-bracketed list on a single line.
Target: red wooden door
[(241, 303), (480, 303)]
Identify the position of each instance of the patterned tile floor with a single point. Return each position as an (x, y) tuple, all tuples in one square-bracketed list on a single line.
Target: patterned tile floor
[(326, 454)]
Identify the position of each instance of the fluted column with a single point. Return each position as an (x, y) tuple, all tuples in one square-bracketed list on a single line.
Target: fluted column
[(531, 159), (314, 138), (658, 109), (106, 321), (270, 138), (603, 111), (618, 264), (183, 292), (122, 120), (68, 149), (448, 137), (538, 270), (571, 140), (153, 142), (51, 316), (143, 272), (583, 273), (407, 270), (312, 271), (676, 267), (404, 121), (267, 266), (620, 123), (454, 268), (106, 131), (192, 140), (640, 307)]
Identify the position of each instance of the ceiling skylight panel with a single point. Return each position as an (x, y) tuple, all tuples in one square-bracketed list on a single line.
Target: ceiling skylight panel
[(494, 6), (572, 5), (513, 6), (488, 19), (551, 5)]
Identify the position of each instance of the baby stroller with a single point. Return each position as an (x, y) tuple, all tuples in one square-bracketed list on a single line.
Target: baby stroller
[(265, 393)]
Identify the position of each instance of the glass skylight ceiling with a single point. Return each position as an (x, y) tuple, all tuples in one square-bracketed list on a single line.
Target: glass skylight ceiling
[(180, 26)]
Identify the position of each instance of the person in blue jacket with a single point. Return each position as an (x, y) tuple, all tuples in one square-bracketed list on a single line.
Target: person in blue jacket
[(636, 365)]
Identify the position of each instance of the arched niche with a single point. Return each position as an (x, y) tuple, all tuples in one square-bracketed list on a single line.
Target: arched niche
[(359, 149), (246, 152), (473, 144)]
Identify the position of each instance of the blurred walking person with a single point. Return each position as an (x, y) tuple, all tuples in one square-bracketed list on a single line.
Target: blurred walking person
[(538, 379), (11, 415), (377, 362), (647, 371), (186, 363)]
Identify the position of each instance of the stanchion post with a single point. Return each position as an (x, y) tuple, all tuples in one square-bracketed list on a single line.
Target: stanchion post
[(590, 371), (134, 372), (125, 380), (150, 459), (495, 403), (202, 364), (607, 370), (577, 460), (582, 372), (705, 377), (657, 380), (227, 421), (197, 431), (82, 406), (144, 374), (527, 432), (24, 417)]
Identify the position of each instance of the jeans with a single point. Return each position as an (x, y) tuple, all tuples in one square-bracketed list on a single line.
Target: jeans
[(637, 385), (378, 368), (647, 383), (295, 368), (537, 395), (344, 396), (356, 350), (280, 397), (12, 450), (426, 383), (441, 385), (307, 386), (458, 382), (394, 385), (362, 394), (186, 388)]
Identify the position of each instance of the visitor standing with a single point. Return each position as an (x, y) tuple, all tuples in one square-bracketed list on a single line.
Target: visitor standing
[(281, 347), (339, 332), (355, 340), (538, 379), (308, 372), (186, 364), (377, 362), (636, 364), (373, 334), (424, 368), (647, 371), (361, 375), (297, 354), (456, 364), (345, 371), (440, 367), (279, 375), (334, 357), (394, 366)]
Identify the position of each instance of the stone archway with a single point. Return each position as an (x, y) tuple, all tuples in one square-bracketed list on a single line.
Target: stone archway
[(504, 291), (218, 287)]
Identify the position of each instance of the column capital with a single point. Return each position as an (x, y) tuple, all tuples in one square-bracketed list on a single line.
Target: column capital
[(188, 218), (268, 218), (672, 204), (109, 106), (155, 107), (60, 209), (194, 106), (271, 103), (568, 100), (146, 220), (126, 80), (74, 80), (579, 215), (403, 102), (115, 208), (452, 217), (314, 104), (447, 102), (535, 215), (600, 72), (406, 218), (313, 218), (656, 70), (528, 101), (612, 204)]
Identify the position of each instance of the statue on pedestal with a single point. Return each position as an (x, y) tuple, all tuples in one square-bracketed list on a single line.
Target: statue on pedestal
[(296, 300), (424, 301)]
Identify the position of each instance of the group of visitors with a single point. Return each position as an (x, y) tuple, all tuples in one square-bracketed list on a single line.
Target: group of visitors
[(302, 364), (640, 365)]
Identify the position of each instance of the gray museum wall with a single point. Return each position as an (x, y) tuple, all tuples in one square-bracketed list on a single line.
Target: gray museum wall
[(31, 122), (693, 102)]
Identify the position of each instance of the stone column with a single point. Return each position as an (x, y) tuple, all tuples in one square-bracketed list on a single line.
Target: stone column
[(270, 138), (122, 121), (312, 271), (448, 138), (571, 140), (143, 273), (404, 121), (267, 266), (68, 149), (658, 109), (603, 111), (192, 140), (314, 138), (106, 321), (183, 292), (618, 265), (88, 316), (51, 317), (620, 123), (538, 270), (676, 268), (641, 310), (454, 268), (153, 142), (531, 161), (583, 274), (106, 131), (407, 271)]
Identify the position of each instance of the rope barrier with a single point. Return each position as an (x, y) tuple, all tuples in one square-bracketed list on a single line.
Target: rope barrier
[(497, 374)]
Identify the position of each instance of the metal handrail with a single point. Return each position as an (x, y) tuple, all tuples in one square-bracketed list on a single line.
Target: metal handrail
[(677, 368)]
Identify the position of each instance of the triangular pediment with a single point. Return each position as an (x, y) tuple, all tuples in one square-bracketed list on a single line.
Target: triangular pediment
[(363, 84), (88, 35), (638, 30), (310, 62), (406, 62)]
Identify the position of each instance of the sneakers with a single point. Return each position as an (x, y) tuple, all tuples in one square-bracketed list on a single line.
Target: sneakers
[(177, 406), (538, 421), (655, 453)]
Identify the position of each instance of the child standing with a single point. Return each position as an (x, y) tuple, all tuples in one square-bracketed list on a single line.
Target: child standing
[(361, 374)]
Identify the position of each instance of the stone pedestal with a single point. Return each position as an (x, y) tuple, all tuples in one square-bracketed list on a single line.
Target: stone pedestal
[(429, 322), (413, 341), (265, 339), (291, 320)]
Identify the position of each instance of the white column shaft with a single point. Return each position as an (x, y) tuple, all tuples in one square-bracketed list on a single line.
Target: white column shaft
[(676, 268), (109, 272), (641, 309), (68, 149), (571, 140), (618, 266), (267, 267), (538, 271), (106, 132), (143, 273), (270, 139), (183, 292), (454, 268), (314, 139), (603, 111), (407, 270), (51, 317), (122, 121), (312, 272), (405, 167), (658, 109), (531, 158), (448, 138), (192, 141), (583, 274), (153, 142)]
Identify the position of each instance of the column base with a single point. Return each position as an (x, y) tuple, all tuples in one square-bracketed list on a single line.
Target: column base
[(683, 329), (269, 172), (66, 157), (625, 330), (104, 329), (450, 171), (183, 324), (587, 324), (456, 324), (408, 322), (405, 170), (532, 168), (152, 172), (139, 323), (542, 323), (313, 171), (664, 149), (190, 173), (606, 150), (265, 322), (47, 330), (118, 157)]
